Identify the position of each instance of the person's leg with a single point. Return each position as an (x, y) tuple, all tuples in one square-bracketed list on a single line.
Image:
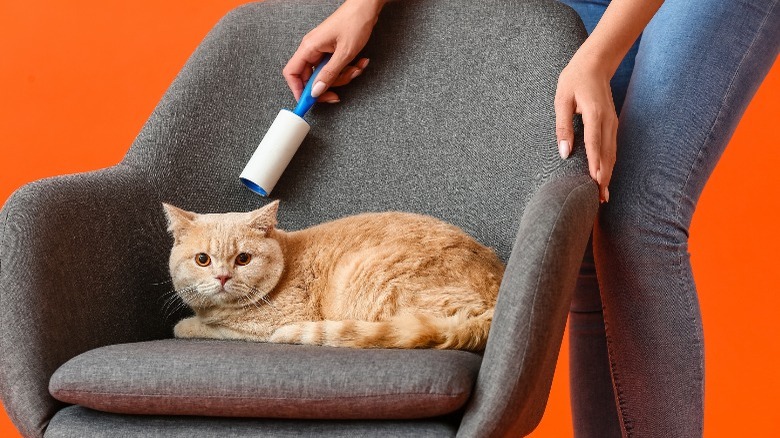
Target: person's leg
[(697, 68), (593, 407), (594, 412)]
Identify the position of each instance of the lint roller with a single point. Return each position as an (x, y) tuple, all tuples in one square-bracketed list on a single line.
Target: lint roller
[(280, 142)]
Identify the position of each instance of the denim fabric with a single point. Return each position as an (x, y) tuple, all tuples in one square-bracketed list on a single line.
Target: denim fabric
[(637, 369)]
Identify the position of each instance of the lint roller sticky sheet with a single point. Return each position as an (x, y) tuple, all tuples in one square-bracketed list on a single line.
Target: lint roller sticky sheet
[(280, 143)]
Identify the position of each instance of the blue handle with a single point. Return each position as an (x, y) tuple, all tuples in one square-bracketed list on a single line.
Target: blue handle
[(306, 101)]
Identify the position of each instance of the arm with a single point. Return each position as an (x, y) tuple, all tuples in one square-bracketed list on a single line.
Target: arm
[(583, 86)]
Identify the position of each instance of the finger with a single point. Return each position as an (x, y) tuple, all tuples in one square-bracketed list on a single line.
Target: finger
[(591, 118), (330, 71), (564, 124), (350, 72), (608, 156), (296, 73), (307, 73), (346, 76), (298, 69), (329, 97), (362, 63), (605, 169)]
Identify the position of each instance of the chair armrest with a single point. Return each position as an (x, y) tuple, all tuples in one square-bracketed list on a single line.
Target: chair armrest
[(77, 267), (525, 337)]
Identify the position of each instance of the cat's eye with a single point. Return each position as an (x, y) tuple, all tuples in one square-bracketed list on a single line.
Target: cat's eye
[(203, 259), (243, 259)]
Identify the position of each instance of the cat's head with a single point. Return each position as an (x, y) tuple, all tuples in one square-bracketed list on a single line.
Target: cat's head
[(224, 260)]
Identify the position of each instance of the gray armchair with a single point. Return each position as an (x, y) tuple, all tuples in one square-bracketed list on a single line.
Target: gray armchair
[(454, 118)]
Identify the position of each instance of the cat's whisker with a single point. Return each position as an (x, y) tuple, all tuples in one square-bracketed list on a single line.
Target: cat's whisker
[(162, 282), (166, 296), (267, 301), (264, 298), (170, 301), (171, 297), (172, 311), (187, 297), (247, 298), (247, 302)]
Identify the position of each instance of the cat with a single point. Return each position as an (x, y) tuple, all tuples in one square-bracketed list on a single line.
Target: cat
[(374, 280)]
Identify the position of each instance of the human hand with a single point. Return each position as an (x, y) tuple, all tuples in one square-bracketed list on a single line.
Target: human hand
[(343, 34), (583, 88)]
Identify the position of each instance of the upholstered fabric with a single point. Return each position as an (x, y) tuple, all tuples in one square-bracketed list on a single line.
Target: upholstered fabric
[(531, 311), (80, 422), (454, 117), (246, 379)]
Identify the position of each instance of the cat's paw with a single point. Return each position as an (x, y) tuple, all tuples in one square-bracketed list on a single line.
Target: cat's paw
[(287, 334), (189, 328)]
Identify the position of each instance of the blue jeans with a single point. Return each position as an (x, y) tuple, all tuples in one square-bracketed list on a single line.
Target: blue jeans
[(636, 345)]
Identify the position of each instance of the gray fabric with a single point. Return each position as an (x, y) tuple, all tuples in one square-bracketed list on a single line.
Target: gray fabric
[(453, 118), (426, 128), (245, 379), (533, 302), (78, 260), (79, 422)]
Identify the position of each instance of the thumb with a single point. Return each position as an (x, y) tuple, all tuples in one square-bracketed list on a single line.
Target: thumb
[(330, 72)]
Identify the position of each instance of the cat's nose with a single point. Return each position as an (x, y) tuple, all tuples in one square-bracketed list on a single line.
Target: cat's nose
[(223, 279)]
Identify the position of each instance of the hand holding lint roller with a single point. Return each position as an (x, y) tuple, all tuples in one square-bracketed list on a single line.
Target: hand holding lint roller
[(280, 142)]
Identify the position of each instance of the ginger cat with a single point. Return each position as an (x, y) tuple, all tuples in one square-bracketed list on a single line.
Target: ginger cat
[(375, 280)]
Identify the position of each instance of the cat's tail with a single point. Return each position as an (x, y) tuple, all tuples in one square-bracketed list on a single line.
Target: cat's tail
[(459, 332)]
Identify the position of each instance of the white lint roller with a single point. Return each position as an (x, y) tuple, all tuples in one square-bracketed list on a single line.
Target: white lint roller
[(280, 143)]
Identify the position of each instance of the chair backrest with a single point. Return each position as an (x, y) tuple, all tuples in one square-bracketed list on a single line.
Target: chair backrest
[(454, 116)]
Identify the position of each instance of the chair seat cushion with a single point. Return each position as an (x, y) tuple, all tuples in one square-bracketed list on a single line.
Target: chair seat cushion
[(245, 379)]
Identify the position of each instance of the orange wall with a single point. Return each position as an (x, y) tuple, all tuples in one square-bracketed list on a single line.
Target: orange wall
[(79, 78)]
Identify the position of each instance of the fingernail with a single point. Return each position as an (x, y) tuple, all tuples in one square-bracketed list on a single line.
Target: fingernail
[(333, 101), (356, 73), (365, 63), (606, 194), (598, 176), (317, 89), (564, 149)]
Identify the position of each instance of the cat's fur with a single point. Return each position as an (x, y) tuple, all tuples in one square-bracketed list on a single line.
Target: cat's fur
[(382, 280)]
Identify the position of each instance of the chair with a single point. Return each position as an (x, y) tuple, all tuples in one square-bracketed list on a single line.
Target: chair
[(454, 118)]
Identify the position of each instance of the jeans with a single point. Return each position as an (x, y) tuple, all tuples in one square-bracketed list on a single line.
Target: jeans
[(636, 342)]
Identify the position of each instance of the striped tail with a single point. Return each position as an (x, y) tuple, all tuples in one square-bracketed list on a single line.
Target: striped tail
[(457, 332)]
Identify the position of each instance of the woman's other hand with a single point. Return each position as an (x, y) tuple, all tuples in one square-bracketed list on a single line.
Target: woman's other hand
[(583, 88), (343, 34)]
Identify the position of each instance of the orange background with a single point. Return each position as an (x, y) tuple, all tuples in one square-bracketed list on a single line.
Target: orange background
[(79, 78)]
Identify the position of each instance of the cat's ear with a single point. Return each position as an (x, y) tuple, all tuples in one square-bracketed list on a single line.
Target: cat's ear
[(178, 219), (264, 219)]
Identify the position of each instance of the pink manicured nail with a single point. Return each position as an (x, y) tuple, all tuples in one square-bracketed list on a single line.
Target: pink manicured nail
[(356, 73), (606, 194), (564, 149), (333, 101), (318, 89)]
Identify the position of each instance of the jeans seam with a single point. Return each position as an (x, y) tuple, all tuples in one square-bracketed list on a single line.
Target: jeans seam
[(625, 425)]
